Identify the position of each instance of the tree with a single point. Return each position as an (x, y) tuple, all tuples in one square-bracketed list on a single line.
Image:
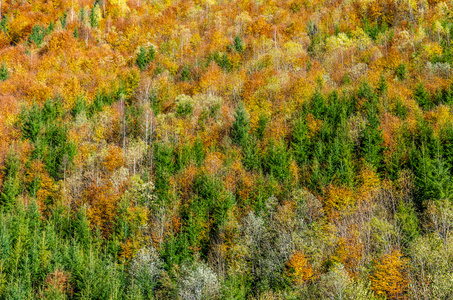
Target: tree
[(145, 56), (422, 96), (241, 126), (299, 268), (94, 22), (11, 185), (238, 44), (145, 269), (198, 282), (4, 74), (300, 143), (372, 139), (389, 277)]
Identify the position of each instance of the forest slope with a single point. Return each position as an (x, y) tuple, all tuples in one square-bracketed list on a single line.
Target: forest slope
[(213, 149)]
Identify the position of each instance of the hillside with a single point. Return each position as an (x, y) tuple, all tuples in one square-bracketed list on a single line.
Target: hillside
[(214, 149)]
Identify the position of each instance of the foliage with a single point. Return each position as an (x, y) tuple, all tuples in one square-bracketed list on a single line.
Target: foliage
[(225, 149)]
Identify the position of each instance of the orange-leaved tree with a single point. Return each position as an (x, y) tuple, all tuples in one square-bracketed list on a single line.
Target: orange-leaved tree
[(298, 268), (390, 278)]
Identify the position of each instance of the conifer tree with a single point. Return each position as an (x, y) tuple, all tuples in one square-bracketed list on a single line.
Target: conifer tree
[(422, 96), (11, 185), (372, 139), (241, 126), (4, 74), (300, 143)]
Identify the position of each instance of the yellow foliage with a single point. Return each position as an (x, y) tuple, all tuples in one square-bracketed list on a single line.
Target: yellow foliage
[(339, 199), (389, 278), (299, 268)]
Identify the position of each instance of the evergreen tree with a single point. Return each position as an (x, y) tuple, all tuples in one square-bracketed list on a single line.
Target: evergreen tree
[(238, 44), (241, 126), (300, 143), (318, 104), (422, 96), (4, 74), (37, 35), (382, 86), (94, 22), (251, 158), (372, 139), (11, 185), (145, 57), (277, 160)]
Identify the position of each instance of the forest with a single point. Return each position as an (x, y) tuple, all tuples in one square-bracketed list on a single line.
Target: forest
[(226, 149)]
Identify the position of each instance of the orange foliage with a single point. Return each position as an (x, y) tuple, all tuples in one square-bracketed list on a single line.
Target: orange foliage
[(349, 252), (299, 268), (390, 278), (102, 201), (114, 159)]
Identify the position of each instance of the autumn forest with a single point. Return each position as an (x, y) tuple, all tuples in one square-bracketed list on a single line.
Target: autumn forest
[(226, 149)]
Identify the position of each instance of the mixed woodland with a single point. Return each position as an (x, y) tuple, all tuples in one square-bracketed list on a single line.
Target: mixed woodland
[(215, 149)]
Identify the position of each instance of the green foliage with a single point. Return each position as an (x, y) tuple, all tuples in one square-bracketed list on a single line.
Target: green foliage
[(422, 97), (238, 44), (371, 138), (382, 86), (79, 106), (373, 30), (94, 22), (145, 56), (184, 106), (401, 71), (262, 124), (38, 34), (222, 61), (11, 183), (4, 74), (300, 143), (318, 103), (64, 19), (240, 128), (43, 128), (186, 74), (4, 23), (400, 110), (408, 222), (277, 160)]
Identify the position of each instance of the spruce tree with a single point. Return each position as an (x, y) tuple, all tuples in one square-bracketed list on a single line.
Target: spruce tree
[(300, 143), (4, 74), (372, 139), (11, 185), (422, 96), (241, 126), (94, 22)]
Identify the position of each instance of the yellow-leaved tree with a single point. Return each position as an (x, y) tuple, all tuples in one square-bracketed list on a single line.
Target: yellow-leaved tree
[(390, 278), (299, 269)]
